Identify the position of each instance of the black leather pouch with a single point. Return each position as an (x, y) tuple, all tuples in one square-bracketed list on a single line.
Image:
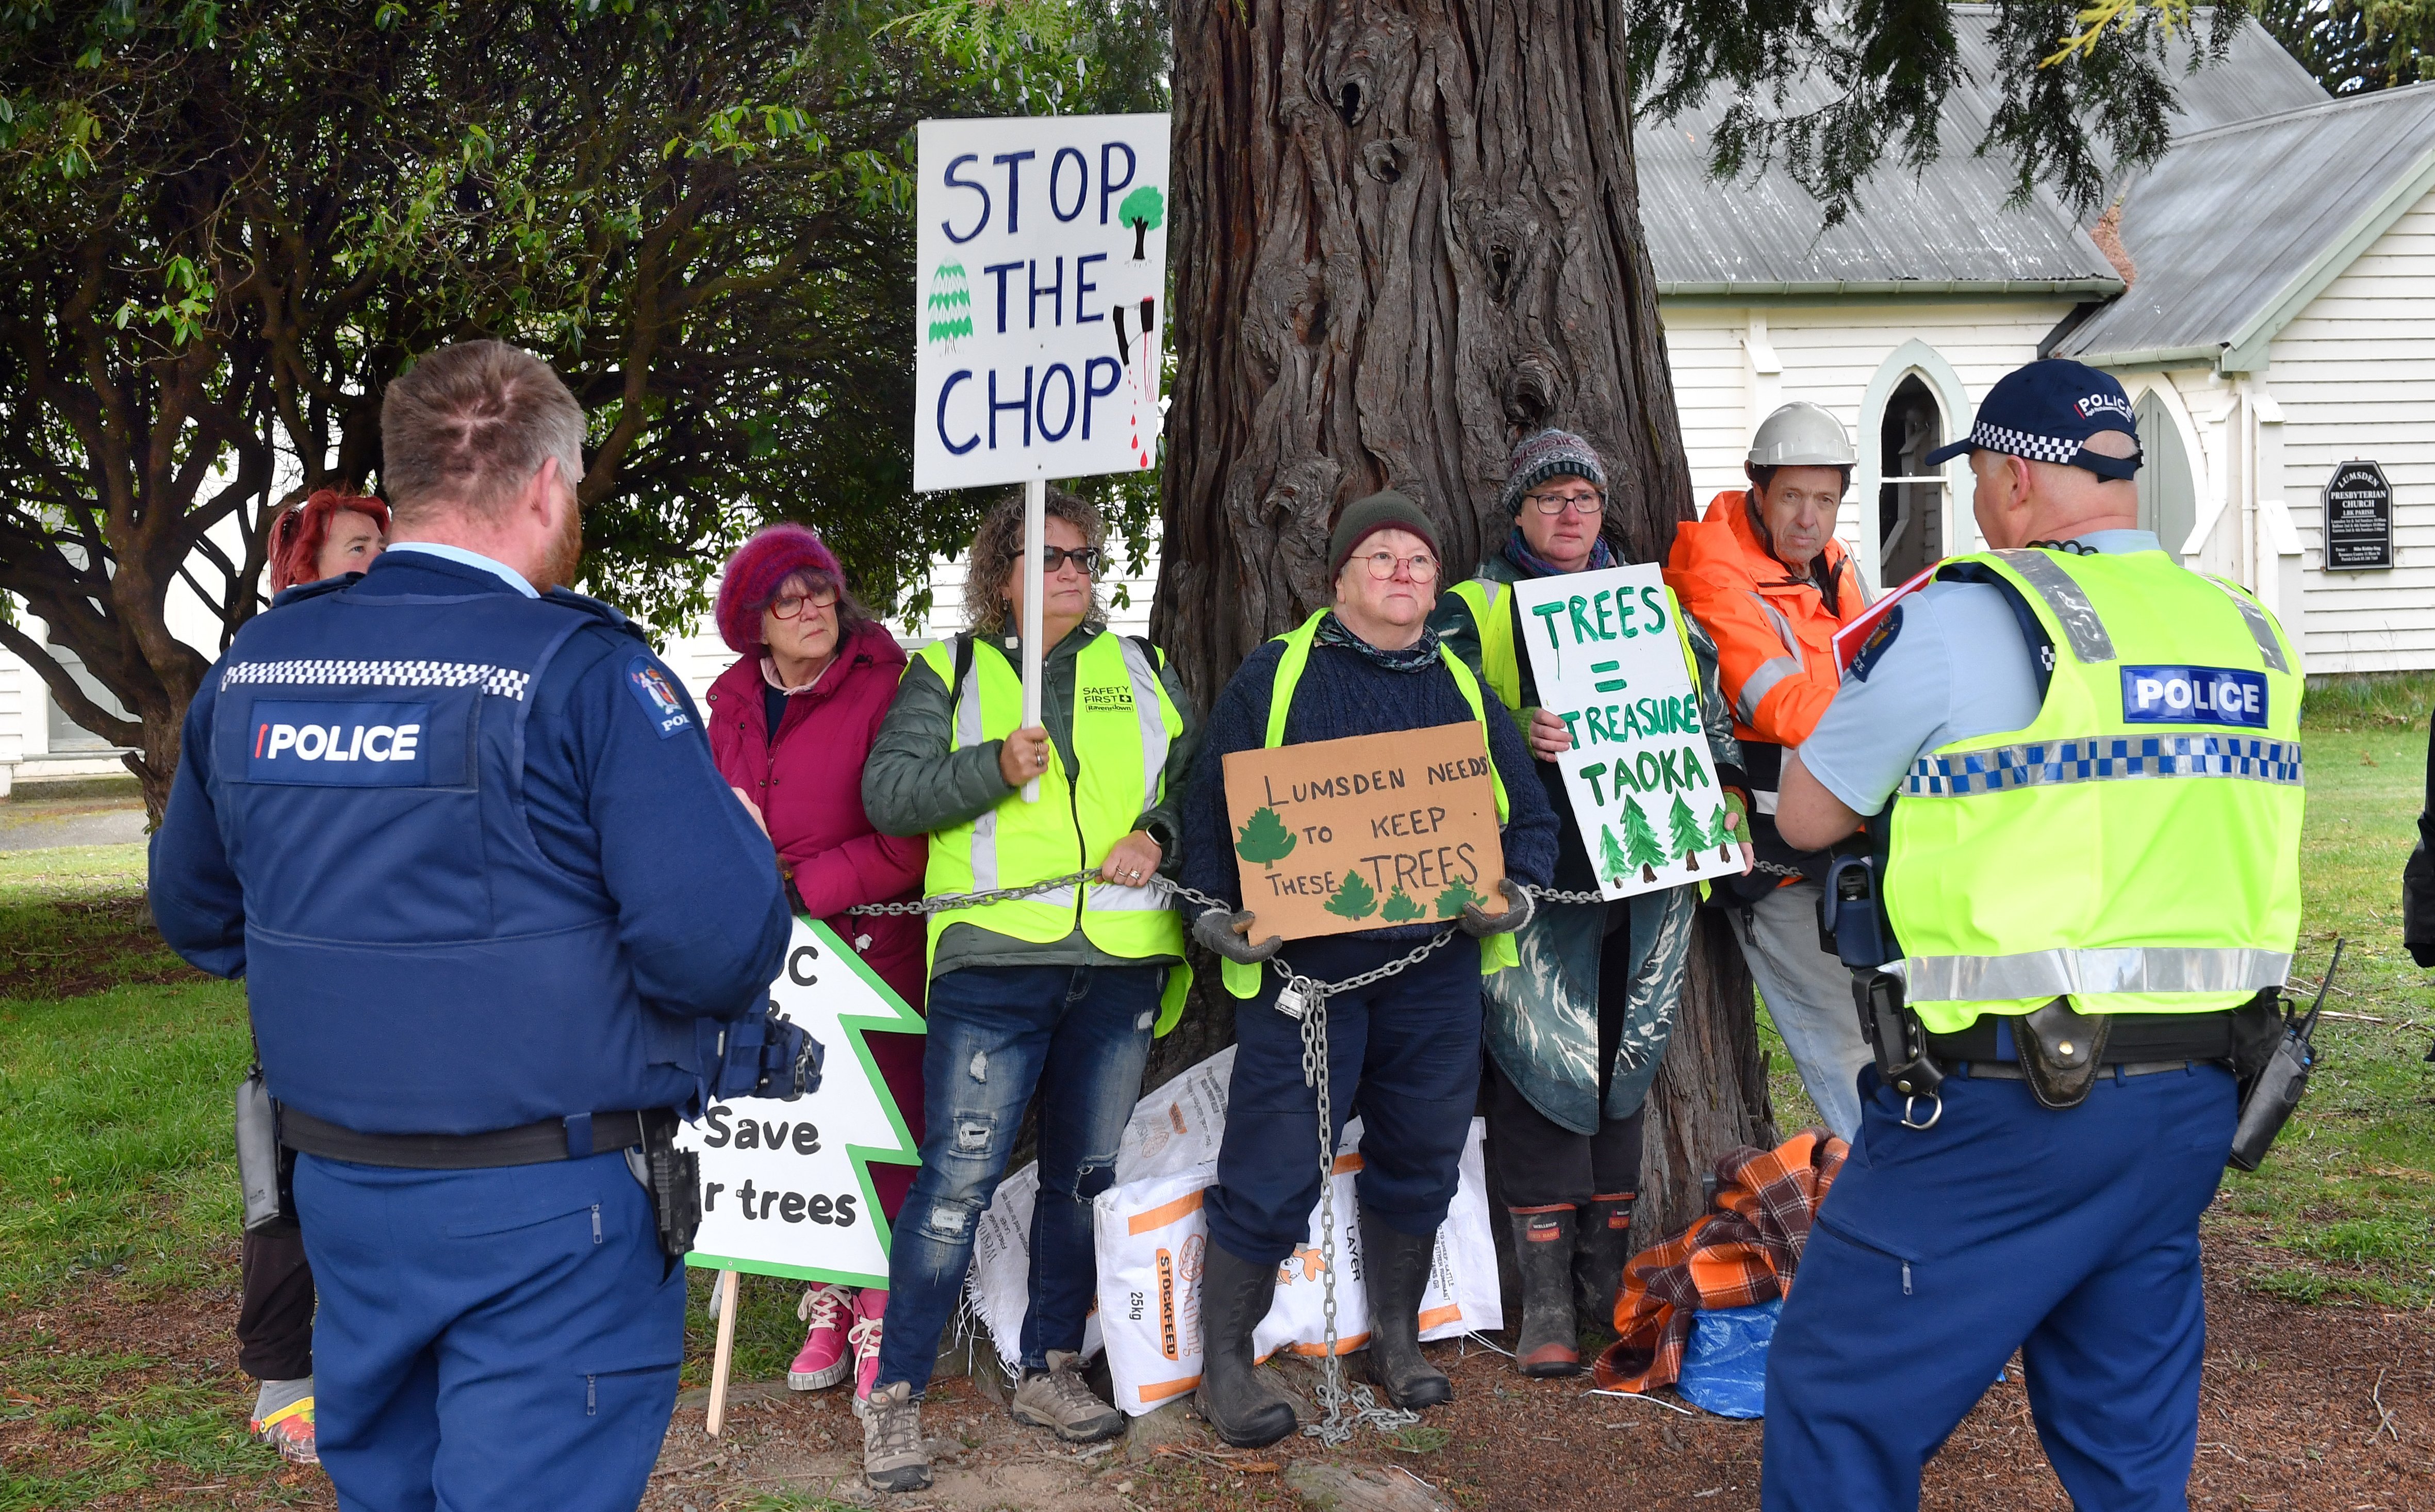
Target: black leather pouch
[(2059, 1051)]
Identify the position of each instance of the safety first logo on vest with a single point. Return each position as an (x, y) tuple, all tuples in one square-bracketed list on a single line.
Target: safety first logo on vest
[(2194, 695), (339, 745)]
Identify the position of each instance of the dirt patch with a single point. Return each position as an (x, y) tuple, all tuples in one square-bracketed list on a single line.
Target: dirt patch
[(95, 945)]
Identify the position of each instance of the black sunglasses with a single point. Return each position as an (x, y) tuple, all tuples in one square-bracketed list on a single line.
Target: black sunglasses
[(1053, 558)]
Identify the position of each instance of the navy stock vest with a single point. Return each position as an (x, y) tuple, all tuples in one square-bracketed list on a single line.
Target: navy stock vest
[(416, 963)]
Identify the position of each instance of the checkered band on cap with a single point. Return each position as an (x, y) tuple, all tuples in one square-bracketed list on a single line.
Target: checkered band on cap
[(498, 681), (2021, 444)]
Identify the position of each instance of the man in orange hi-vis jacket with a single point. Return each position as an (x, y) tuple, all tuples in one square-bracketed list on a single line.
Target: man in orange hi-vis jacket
[(1765, 575)]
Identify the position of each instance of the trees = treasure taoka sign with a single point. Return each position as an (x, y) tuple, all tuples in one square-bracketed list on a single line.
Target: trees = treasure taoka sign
[(1339, 836), (1038, 303)]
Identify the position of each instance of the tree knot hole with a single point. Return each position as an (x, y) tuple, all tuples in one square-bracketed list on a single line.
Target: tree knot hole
[(1530, 392), (1348, 102), (1385, 160), (1500, 272)]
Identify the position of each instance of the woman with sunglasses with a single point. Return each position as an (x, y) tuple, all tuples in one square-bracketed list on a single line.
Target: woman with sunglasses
[(791, 724), (1056, 990), (1403, 1053), (1575, 1033)]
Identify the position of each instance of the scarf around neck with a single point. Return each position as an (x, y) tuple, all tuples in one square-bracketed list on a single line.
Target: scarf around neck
[(1418, 656), (1517, 551)]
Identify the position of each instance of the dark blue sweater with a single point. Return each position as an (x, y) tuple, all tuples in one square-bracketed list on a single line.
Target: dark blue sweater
[(1343, 693)]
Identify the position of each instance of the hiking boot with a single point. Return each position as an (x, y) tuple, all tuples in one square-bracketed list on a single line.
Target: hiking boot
[(1395, 1267), (1056, 1399), (893, 1458), (1235, 1398), (824, 1361), (1601, 1246), (1547, 1344), (283, 1420), (870, 1313)]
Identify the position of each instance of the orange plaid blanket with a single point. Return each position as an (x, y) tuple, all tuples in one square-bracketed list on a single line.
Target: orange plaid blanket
[(1743, 1255)]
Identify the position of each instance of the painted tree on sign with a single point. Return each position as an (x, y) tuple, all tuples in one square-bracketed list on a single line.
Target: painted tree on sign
[(1354, 899), (1611, 861), (1719, 836), (1688, 837), (1450, 902), (1400, 909), (1263, 839), (1640, 846)]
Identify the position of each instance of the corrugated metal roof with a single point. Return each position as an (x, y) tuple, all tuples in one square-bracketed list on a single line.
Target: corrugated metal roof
[(1948, 230), (2235, 221)]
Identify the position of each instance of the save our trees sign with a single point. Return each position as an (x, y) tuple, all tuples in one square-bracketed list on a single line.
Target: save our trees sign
[(1338, 836), (1612, 661)]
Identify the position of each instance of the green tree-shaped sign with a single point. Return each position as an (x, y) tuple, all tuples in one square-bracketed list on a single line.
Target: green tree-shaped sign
[(1719, 836), (1640, 846), (1611, 861), (1354, 899), (1450, 902), (1145, 210), (1263, 839), (1685, 830), (1400, 909)]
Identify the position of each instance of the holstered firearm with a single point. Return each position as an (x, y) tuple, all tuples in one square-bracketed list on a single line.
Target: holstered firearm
[(673, 1178), (1896, 1035)]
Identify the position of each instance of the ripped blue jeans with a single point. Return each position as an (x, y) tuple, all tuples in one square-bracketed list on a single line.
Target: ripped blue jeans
[(1080, 1034)]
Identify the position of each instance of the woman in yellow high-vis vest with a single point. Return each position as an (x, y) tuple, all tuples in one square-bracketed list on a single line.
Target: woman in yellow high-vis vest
[(1404, 1052), (1060, 991)]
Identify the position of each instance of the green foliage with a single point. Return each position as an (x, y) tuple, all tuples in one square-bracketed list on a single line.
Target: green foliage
[(1145, 205), (1831, 92), (1640, 845), (2353, 46), (1684, 831), (1611, 861), (1400, 909), (1354, 897), (1451, 902), (1263, 839)]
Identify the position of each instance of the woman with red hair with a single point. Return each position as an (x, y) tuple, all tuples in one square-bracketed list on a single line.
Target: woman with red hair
[(327, 534), (791, 724)]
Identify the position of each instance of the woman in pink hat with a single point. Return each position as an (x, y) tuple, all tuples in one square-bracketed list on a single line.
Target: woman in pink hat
[(791, 724)]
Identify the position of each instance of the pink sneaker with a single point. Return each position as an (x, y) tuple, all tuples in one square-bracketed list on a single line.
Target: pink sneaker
[(824, 1361), (868, 1309)]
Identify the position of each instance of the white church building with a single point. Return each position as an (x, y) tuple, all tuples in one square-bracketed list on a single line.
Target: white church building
[(2266, 293)]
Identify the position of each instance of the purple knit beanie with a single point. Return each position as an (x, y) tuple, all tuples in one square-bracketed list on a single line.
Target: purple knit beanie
[(754, 572)]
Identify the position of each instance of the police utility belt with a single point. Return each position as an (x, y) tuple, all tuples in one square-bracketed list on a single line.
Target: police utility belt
[(2058, 1052)]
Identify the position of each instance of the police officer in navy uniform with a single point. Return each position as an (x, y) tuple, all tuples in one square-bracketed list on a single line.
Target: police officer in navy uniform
[(458, 830), (2090, 876)]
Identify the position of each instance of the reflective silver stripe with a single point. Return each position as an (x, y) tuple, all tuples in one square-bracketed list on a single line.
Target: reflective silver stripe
[(1150, 714), (1783, 626), (1759, 684), (2080, 625), (968, 733), (2054, 973), (2102, 758), (2260, 630)]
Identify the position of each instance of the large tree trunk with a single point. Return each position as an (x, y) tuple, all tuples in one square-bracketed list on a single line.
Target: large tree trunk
[(1407, 234)]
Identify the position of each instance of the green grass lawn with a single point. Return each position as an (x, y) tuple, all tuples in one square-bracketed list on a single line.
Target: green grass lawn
[(118, 1191)]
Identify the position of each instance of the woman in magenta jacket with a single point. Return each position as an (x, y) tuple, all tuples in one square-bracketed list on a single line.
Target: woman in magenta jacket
[(790, 724)]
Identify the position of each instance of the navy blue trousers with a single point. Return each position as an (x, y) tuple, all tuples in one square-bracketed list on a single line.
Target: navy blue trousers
[(1404, 1054), (490, 1340), (2071, 1236)]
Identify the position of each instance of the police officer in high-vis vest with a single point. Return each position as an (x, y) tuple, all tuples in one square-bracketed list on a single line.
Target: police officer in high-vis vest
[(458, 830), (1402, 1051), (2090, 899), (1058, 991)]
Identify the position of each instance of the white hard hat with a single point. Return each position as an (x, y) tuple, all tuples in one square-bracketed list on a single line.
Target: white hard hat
[(1802, 435)]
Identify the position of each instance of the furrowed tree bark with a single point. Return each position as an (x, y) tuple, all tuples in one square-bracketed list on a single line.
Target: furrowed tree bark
[(1407, 234)]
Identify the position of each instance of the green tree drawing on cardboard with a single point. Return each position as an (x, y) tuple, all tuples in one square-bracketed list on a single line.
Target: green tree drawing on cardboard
[(1611, 861), (1450, 902), (1400, 909), (1719, 836), (1353, 898), (1688, 837), (1263, 839), (1640, 845)]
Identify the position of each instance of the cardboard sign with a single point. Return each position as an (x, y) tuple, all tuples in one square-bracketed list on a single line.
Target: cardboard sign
[(1039, 298), (1611, 661), (1339, 836), (785, 1186)]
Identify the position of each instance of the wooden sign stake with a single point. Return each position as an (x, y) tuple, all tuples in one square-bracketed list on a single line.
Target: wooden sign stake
[(1035, 540), (725, 1354)]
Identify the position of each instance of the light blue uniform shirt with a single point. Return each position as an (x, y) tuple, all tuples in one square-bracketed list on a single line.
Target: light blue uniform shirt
[(473, 559), (1957, 668)]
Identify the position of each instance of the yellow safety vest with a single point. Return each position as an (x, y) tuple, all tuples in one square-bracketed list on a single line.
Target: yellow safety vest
[(1497, 951), (1123, 724), (2137, 847)]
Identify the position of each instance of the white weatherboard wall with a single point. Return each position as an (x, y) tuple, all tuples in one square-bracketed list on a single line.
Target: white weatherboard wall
[(2354, 376)]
